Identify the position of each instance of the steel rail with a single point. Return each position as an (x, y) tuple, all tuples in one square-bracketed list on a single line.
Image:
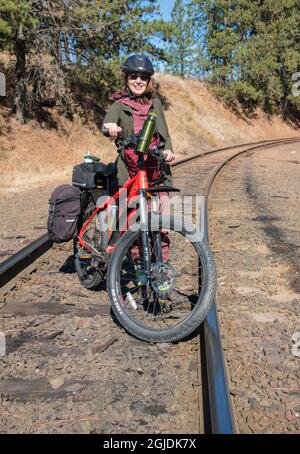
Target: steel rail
[(232, 147), (12, 266), (257, 146), (219, 417)]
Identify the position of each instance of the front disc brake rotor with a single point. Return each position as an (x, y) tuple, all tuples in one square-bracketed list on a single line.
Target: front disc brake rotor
[(163, 279)]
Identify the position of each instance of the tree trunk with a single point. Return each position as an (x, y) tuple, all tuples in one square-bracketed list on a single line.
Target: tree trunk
[(21, 87), (182, 72), (182, 62), (67, 50)]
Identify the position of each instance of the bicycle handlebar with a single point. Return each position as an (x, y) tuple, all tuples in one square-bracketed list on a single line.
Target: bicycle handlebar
[(158, 154)]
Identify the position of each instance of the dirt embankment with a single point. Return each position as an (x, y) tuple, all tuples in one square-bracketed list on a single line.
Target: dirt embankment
[(35, 153)]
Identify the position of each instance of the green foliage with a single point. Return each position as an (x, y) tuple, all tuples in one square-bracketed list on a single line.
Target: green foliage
[(14, 13), (238, 93), (249, 50), (112, 29), (182, 42), (73, 49)]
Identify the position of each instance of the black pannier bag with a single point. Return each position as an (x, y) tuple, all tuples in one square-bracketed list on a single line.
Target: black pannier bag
[(92, 175), (64, 213)]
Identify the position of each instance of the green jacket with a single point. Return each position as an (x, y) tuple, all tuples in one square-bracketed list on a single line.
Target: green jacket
[(121, 114)]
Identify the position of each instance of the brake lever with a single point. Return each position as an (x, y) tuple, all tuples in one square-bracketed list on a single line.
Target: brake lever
[(158, 154), (105, 131)]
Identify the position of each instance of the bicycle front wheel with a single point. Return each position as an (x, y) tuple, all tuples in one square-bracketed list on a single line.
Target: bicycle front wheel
[(171, 301)]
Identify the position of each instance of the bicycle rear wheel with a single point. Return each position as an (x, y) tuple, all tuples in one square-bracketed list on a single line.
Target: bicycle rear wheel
[(87, 265), (171, 302)]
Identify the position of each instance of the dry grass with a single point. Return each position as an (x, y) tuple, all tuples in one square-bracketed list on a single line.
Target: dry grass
[(198, 118), (30, 154), (185, 116)]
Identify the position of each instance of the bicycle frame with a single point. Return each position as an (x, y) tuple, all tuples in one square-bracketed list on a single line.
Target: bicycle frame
[(134, 187)]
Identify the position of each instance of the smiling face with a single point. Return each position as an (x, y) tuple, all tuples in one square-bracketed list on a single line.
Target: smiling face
[(137, 83)]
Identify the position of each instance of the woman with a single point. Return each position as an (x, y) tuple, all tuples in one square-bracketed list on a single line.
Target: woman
[(126, 117)]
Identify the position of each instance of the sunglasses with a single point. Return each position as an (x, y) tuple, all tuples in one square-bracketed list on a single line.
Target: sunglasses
[(143, 77)]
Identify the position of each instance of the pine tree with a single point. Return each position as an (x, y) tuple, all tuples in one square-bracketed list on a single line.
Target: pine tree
[(182, 43), (199, 23), (288, 50), (112, 30), (15, 21), (71, 48), (252, 51)]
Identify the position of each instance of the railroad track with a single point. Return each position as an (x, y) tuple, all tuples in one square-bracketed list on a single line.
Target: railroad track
[(215, 410)]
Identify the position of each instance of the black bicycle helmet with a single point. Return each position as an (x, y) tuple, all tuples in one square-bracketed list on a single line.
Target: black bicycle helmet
[(138, 63)]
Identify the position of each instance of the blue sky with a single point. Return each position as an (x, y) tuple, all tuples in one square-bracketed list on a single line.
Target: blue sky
[(166, 7)]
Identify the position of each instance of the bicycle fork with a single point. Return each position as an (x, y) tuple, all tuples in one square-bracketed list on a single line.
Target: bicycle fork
[(144, 227)]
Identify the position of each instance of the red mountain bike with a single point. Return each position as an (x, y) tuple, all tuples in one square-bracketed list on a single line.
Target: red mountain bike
[(161, 279)]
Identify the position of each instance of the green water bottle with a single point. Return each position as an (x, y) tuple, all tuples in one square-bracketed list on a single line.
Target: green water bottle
[(145, 138), (89, 158)]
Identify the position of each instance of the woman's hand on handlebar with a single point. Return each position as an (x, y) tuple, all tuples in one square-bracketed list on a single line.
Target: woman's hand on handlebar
[(112, 129), (168, 155)]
